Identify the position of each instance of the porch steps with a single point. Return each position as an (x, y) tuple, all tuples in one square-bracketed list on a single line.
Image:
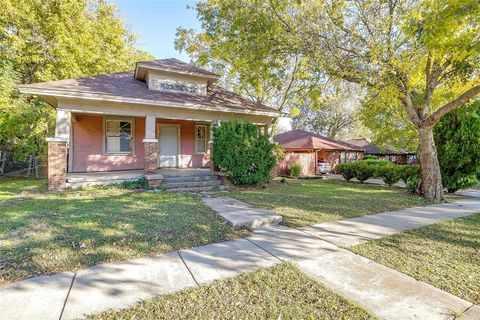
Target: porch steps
[(194, 182)]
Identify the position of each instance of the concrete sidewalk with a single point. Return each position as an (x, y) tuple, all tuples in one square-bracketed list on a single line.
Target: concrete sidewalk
[(385, 292)]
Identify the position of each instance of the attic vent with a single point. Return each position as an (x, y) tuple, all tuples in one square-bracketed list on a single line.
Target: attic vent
[(175, 83)]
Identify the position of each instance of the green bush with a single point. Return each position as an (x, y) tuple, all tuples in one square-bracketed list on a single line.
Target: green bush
[(347, 170), (390, 174), (369, 157), (377, 162), (364, 171), (295, 170), (409, 171), (457, 137), (243, 152), (413, 184)]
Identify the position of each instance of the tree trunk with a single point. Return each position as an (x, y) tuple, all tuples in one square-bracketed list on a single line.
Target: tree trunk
[(431, 187)]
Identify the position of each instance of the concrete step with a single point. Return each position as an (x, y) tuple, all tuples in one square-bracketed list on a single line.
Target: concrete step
[(198, 189), (80, 184), (188, 184), (189, 178), (185, 173)]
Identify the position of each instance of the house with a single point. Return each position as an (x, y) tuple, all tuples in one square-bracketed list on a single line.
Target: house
[(399, 157), (307, 149), (158, 116)]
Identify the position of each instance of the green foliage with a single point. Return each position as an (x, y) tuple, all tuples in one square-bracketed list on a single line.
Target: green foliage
[(413, 184), (347, 170), (390, 173), (457, 137), (295, 170), (369, 157), (417, 74), (243, 152), (409, 171), (53, 40), (376, 162), (135, 184), (364, 171)]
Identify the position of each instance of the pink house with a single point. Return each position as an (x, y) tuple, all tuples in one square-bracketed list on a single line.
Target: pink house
[(158, 116)]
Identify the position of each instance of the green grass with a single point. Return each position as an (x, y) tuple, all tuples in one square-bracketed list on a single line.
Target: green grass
[(445, 255), (306, 202), (280, 292), (42, 232)]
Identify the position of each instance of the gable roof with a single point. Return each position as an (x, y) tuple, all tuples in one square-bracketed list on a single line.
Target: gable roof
[(301, 139), (363, 143), (123, 87), (176, 66)]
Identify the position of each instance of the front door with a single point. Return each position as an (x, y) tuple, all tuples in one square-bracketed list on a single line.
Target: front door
[(168, 146)]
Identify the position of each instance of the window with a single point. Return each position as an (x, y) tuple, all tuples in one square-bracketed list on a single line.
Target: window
[(118, 136), (201, 139), (352, 156)]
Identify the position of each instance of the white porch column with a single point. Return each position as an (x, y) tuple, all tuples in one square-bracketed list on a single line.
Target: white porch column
[(150, 127), (63, 124), (63, 130)]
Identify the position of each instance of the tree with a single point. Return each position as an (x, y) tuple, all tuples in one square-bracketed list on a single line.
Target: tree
[(264, 74), (457, 136), (422, 55), (334, 116), (52, 40)]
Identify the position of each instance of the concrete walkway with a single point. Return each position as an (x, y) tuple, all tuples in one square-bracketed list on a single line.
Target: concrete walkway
[(239, 214), (385, 292)]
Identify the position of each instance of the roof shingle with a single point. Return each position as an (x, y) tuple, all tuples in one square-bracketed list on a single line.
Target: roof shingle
[(301, 139), (124, 85)]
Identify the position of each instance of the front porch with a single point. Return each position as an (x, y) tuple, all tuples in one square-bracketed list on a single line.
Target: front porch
[(96, 149)]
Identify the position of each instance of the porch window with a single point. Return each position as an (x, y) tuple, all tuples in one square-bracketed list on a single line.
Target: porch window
[(201, 139), (118, 136)]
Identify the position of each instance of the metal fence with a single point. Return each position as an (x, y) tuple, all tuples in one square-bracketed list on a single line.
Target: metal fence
[(33, 167)]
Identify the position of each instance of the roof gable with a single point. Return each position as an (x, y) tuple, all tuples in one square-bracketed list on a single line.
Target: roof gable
[(301, 139)]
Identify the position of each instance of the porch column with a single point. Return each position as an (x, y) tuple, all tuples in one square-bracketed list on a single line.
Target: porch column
[(57, 163), (210, 146), (63, 129), (150, 144)]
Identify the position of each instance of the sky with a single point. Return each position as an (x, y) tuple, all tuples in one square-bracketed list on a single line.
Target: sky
[(155, 23)]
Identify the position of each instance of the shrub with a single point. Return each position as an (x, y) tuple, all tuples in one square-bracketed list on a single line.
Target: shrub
[(295, 170), (377, 162), (243, 152), (390, 174), (369, 157), (413, 184), (457, 137), (364, 171), (409, 171), (347, 170)]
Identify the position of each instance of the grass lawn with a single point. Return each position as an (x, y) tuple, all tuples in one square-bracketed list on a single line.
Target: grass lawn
[(445, 255), (42, 233), (306, 202), (280, 292)]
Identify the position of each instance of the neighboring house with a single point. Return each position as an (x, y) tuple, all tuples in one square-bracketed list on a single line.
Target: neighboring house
[(307, 149), (158, 116), (399, 157)]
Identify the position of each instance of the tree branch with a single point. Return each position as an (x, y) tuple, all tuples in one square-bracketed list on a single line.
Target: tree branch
[(456, 103)]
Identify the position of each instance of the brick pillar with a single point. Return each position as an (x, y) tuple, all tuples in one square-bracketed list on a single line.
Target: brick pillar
[(57, 164), (151, 155)]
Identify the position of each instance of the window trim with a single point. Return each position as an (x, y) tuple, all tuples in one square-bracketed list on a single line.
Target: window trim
[(104, 137), (206, 138)]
